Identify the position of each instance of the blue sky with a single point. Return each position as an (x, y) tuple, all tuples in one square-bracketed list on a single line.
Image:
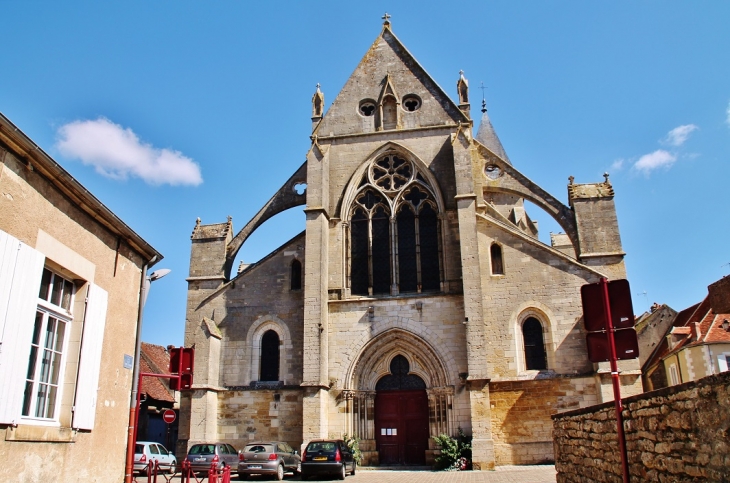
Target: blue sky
[(208, 107)]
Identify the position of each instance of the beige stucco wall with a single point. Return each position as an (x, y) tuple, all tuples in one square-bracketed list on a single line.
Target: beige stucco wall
[(37, 214)]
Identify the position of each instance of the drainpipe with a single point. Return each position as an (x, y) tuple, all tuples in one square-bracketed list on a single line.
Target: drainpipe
[(129, 467)]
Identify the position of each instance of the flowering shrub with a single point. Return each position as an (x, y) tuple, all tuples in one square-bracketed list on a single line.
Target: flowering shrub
[(455, 452), (353, 442)]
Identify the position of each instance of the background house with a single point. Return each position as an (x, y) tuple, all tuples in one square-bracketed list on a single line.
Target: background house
[(156, 397), (70, 278), (696, 344)]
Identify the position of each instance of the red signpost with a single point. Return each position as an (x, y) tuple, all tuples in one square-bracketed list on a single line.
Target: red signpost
[(608, 315)]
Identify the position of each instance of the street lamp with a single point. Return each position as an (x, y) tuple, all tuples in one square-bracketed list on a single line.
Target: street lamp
[(133, 415)]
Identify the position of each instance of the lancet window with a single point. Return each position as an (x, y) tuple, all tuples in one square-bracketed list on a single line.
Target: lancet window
[(395, 231)]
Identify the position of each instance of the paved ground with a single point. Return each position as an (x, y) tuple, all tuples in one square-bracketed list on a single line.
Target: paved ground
[(503, 474)]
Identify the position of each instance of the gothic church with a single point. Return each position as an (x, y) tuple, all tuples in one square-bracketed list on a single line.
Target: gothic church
[(417, 301)]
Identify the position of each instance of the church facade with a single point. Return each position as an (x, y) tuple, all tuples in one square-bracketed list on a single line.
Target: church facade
[(417, 301)]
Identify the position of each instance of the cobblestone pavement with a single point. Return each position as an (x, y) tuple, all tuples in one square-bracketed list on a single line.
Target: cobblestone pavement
[(503, 474)]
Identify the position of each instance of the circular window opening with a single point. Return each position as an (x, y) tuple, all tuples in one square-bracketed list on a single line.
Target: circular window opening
[(411, 102), (492, 171), (367, 108)]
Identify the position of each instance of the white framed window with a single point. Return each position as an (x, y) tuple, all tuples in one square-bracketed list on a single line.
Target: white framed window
[(723, 362), (47, 359), (35, 328), (673, 375)]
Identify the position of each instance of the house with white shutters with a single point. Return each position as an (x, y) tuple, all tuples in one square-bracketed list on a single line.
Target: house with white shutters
[(70, 279)]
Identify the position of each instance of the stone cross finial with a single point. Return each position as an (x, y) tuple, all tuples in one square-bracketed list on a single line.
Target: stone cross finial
[(605, 175), (318, 86), (571, 179), (386, 17)]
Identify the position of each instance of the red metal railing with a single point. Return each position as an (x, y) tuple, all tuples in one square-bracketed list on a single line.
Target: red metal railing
[(184, 474)]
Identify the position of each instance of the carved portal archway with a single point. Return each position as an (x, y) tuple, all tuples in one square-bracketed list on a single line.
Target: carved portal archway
[(374, 363)]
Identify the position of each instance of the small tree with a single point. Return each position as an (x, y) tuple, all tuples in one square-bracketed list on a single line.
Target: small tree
[(353, 442), (455, 452)]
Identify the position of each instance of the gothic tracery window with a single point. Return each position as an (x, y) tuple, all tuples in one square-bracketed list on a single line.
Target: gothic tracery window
[(394, 231)]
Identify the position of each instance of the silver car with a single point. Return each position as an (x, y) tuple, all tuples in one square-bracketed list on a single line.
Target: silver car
[(202, 456), (273, 458), (147, 452)]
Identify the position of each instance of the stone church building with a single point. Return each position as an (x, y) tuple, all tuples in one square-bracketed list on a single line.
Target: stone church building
[(418, 300)]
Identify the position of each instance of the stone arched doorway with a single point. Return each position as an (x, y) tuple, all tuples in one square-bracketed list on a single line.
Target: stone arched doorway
[(398, 399), (401, 416)]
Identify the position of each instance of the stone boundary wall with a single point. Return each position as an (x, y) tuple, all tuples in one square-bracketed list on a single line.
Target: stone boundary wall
[(675, 434)]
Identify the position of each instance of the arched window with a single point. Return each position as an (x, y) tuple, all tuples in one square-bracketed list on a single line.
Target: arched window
[(269, 356), (535, 356), (394, 231), (296, 275), (495, 252)]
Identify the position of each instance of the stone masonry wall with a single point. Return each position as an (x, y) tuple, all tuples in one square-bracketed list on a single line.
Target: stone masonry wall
[(521, 410), (676, 434), (260, 415)]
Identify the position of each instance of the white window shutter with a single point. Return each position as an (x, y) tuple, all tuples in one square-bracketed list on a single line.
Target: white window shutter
[(89, 365), (21, 268)]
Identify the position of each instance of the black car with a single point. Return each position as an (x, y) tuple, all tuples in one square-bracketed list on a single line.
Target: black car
[(328, 457)]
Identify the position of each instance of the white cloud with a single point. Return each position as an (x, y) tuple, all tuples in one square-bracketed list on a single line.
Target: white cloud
[(118, 153), (680, 134), (617, 165), (658, 159)]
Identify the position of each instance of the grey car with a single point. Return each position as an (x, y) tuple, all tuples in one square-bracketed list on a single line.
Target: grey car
[(201, 456), (273, 458)]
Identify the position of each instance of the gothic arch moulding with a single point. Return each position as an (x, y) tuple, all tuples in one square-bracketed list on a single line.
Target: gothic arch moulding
[(374, 359), (355, 186), (539, 311), (253, 341)]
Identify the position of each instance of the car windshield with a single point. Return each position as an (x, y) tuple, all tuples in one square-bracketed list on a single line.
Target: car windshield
[(258, 448), (326, 446), (203, 449)]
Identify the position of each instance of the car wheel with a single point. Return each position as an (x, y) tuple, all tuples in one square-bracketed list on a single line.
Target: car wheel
[(279, 473), (343, 472), (173, 467), (243, 476), (354, 467)]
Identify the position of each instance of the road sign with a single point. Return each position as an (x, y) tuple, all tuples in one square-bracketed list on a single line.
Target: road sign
[(169, 416), (622, 311)]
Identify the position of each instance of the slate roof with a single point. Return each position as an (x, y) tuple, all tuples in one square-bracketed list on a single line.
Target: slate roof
[(488, 137), (155, 359)]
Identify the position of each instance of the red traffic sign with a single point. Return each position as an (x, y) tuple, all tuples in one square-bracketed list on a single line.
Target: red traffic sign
[(627, 346), (169, 416), (622, 310)]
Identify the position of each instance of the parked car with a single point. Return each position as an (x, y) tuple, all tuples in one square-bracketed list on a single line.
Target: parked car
[(330, 456), (202, 456), (272, 458), (147, 452)]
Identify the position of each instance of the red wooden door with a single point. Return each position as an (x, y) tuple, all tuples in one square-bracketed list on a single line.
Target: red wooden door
[(401, 427)]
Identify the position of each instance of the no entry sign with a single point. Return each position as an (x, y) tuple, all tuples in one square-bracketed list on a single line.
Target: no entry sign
[(168, 416)]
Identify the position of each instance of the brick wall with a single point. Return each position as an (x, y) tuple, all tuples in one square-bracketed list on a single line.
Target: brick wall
[(675, 434)]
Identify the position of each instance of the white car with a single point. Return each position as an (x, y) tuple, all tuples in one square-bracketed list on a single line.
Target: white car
[(147, 452)]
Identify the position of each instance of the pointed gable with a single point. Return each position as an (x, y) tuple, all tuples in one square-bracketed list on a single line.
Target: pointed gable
[(387, 73)]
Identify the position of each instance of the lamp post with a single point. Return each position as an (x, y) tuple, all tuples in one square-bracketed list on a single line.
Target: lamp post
[(133, 409)]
